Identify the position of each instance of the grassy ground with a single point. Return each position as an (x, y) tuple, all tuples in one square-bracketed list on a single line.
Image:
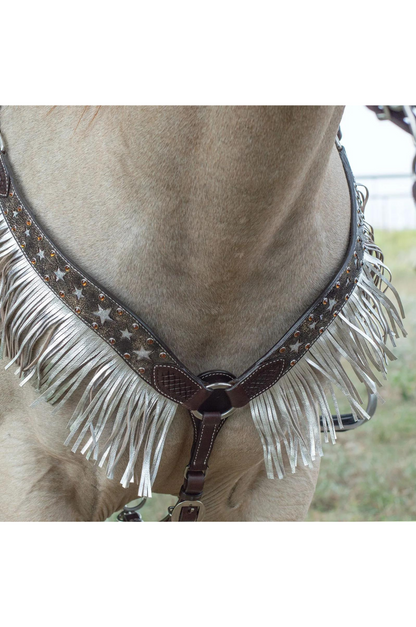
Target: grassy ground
[(370, 474)]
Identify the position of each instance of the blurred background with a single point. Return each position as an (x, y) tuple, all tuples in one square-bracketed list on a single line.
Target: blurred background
[(370, 474)]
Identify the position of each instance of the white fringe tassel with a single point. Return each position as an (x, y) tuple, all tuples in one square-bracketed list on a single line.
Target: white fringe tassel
[(288, 414), (59, 353)]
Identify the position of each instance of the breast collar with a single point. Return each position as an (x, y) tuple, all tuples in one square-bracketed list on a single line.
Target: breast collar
[(134, 381)]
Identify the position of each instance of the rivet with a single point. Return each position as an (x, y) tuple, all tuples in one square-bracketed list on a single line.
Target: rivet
[(293, 362), (338, 285), (126, 355), (348, 270), (355, 254), (321, 330), (296, 334), (62, 294), (101, 297), (282, 350), (142, 370), (47, 277), (33, 261), (307, 346), (84, 282), (112, 340), (135, 326), (325, 301), (94, 325), (6, 211), (53, 253), (11, 194), (13, 228), (120, 311), (162, 355), (335, 314), (310, 318), (29, 222), (23, 245), (77, 310), (67, 268), (19, 209), (356, 280), (361, 263), (346, 297), (40, 238), (150, 341)]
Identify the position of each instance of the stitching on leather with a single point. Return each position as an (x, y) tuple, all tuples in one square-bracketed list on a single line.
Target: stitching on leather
[(199, 443), (258, 370), (214, 433), (5, 174), (179, 370)]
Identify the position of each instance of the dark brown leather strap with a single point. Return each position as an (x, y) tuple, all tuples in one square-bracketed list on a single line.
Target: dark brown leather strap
[(189, 507)]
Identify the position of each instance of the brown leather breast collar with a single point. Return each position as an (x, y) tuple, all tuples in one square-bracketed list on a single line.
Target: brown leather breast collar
[(140, 347), (212, 396)]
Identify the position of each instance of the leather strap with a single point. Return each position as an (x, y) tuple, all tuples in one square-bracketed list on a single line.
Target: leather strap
[(189, 507)]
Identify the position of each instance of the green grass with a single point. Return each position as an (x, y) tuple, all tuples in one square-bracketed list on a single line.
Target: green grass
[(370, 474)]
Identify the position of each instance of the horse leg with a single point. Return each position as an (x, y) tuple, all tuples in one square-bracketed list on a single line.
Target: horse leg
[(255, 497), (40, 479)]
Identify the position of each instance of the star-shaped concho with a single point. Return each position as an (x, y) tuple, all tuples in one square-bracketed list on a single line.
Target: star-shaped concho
[(59, 274), (78, 293), (126, 333), (41, 254), (143, 354), (295, 347), (103, 314), (332, 303)]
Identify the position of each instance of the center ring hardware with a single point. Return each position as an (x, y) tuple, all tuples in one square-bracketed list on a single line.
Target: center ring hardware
[(219, 385)]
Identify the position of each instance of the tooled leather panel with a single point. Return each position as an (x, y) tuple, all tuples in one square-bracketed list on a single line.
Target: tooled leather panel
[(176, 384), (263, 377), (136, 344)]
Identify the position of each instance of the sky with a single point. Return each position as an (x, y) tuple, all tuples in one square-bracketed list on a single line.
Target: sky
[(377, 147), (374, 146)]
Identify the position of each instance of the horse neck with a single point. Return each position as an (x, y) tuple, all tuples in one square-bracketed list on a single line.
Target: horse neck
[(217, 225)]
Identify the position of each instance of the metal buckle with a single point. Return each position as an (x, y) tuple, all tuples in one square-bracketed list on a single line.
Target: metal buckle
[(175, 511), (219, 385)]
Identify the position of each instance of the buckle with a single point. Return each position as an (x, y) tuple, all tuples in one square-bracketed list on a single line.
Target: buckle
[(176, 510)]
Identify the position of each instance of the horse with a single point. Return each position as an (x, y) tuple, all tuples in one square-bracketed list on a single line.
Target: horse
[(219, 226)]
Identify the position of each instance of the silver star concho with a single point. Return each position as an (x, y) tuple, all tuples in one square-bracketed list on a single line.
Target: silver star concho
[(103, 314), (59, 274), (41, 254), (143, 354), (78, 293), (126, 333), (332, 303), (295, 347)]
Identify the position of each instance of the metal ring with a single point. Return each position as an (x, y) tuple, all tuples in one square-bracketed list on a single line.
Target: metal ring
[(219, 385)]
